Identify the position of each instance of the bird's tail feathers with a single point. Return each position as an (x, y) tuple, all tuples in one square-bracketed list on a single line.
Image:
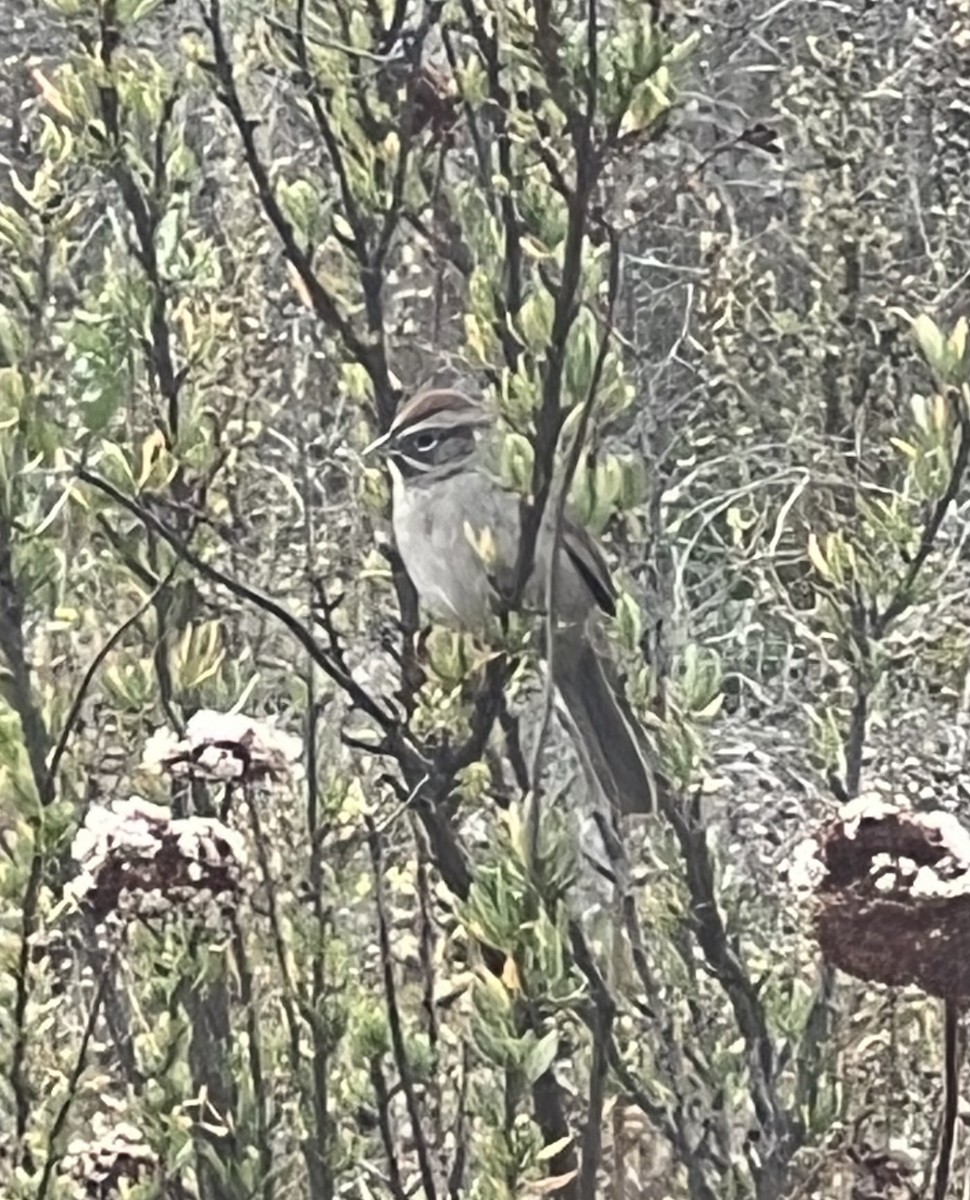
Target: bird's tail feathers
[(610, 741)]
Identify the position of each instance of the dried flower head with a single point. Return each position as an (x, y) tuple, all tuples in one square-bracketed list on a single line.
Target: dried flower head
[(114, 1155), (224, 746), (892, 895), (133, 857)]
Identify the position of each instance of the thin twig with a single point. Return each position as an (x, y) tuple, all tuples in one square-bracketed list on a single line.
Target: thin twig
[(601, 1030), (951, 1097), (74, 711), (509, 303), (401, 1060), (732, 975), (242, 591), (457, 1172), (324, 304), (254, 1053), (901, 600), (317, 1150), (288, 992), (383, 1100), (57, 1127), (426, 956), (569, 471)]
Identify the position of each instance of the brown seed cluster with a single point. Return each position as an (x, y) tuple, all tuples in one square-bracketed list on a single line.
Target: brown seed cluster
[(892, 895), (134, 858)]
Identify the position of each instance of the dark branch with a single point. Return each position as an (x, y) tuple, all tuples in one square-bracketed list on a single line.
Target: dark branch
[(401, 1060)]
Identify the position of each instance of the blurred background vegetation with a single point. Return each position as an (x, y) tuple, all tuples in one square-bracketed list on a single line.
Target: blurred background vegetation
[(232, 236)]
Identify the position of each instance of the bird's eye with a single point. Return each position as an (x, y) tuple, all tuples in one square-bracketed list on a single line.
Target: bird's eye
[(424, 443)]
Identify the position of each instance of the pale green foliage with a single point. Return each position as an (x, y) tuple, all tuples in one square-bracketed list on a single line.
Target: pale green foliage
[(231, 243)]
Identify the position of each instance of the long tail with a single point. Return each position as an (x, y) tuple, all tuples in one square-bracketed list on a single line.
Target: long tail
[(610, 740)]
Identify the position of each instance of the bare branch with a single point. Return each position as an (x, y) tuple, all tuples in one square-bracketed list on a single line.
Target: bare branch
[(80, 1062), (951, 1097), (904, 593), (569, 470), (383, 717), (401, 1060), (370, 355)]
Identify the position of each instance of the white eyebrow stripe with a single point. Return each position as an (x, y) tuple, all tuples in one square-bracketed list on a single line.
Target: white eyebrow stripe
[(439, 422), (464, 417), (421, 431), (416, 464)]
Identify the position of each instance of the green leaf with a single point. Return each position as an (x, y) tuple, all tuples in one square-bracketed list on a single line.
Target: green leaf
[(711, 709), (517, 457), (934, 346), (97, 412), (580, 359), (11, 339), (682, 50), (167, 238), (541, 1057), (535, 319), (906, 448), (140, 9), (554, 1148), (957, 341), (629, 622), (649, 101), (817, 557)]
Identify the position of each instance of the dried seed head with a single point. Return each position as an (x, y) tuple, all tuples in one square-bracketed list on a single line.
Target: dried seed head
[(112, 1157), (133, 857), (892, 895), (224, 746)]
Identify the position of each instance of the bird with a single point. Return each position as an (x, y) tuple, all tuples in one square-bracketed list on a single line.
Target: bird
[(457, 531)]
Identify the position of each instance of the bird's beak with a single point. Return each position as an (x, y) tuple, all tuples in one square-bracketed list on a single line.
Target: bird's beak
[(377, 444)]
